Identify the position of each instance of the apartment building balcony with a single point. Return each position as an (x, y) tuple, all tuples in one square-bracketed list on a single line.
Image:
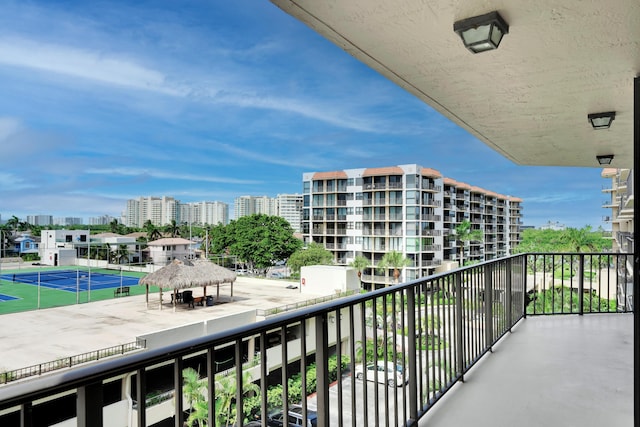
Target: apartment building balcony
[(498, 355), (432, 233)]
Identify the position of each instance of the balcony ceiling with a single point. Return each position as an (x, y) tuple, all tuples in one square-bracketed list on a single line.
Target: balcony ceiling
[(529, 99)]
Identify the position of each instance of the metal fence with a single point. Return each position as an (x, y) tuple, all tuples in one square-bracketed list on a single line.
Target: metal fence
[(68, 362), (379, 358)]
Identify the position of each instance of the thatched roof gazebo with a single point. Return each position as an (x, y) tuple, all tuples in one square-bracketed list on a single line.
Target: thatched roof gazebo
[(188, 274)]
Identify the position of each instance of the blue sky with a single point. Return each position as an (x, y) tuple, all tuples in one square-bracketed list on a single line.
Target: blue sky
[(105, 101)]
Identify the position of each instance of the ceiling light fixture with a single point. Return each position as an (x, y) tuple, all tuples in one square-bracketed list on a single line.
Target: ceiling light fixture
[(605, 159), (601, 120), (482, 33)]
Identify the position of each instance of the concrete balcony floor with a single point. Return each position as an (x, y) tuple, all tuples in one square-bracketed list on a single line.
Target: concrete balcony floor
[(550, 371)]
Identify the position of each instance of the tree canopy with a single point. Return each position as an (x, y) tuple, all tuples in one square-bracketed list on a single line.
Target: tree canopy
[(569, 240), (314, 254), (259, 240)]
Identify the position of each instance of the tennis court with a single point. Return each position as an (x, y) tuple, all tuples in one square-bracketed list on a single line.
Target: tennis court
[(4, 298), (72, 280)]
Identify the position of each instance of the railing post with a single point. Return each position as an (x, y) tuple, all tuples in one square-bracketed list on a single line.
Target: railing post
[(26, 415), (581, 284), (488, 305), (459, 349), (89, 405), (177, 393), (322, 370), (413, 362), (508, 287), (141, 396)]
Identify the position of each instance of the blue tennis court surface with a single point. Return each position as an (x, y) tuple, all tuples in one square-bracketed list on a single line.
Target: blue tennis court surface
[(4, 298), (71, 280)]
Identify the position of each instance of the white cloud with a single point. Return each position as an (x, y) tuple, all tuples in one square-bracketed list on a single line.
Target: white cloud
[(83, 63), (11, 182), (168, 175)]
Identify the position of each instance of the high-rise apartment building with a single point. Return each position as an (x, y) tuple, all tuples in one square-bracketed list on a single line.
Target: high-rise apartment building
[(249, 205), (202, 213), (67, 220), (159, 210), (40, 219), (101, 220), (621, 203), (289, 207), (407, 208), (162, 210)]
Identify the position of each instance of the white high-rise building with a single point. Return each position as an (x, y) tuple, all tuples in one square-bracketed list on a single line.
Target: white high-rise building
[(249, 205), (202, 213), (40, 219), (289, 207), (159, 210)]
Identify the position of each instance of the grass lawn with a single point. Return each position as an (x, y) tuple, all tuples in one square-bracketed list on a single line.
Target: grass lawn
[(27, 294)]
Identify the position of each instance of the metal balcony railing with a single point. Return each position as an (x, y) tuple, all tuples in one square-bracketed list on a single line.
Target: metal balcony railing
[(431, 331)]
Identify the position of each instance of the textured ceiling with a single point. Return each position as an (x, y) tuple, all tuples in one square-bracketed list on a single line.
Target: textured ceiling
[(529, 99)]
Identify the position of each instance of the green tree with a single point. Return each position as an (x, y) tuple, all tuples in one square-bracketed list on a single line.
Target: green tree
[(394, 260), (220, 238), (464, 234), (313, 254), (153, 233), (260, 240), (122, 254), (173, 228), (13, 223), (194, 389), (115, 226), (359, 263), (580, 240)]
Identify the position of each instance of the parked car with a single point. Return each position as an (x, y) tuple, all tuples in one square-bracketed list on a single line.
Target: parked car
[(395, 374), (294, 418)]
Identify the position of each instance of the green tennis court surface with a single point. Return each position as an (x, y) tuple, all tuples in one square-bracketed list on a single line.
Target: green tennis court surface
[(60, 287)]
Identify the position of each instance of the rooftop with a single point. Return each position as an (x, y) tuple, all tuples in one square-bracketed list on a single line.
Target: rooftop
[(34, 337)]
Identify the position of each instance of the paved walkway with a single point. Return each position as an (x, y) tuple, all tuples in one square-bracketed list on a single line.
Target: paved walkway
[(33, 337)]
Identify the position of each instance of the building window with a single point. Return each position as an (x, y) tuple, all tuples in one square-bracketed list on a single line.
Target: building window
[(306, 187)]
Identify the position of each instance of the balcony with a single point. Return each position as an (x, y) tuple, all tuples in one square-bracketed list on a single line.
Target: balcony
[(516, 316)]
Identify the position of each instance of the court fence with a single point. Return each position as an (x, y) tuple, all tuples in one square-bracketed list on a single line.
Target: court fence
[(68, 362)]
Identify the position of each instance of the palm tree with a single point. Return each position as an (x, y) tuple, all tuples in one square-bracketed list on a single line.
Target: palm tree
[(153, 233), (172, 228), (122, 254), (114, 226), (194, 389), (359, 263), (463, 234), (227, 413), (395, 260), (13, 223)]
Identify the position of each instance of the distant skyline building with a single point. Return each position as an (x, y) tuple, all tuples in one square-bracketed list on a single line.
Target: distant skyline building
[(249, 205), (162, 210), (411, 209), (41, 220), (101, 220), (67, 220), (553, 225), (202, 213), (289, 207)]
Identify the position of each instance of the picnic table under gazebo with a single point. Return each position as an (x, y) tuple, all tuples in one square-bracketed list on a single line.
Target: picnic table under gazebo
[(185, 274)]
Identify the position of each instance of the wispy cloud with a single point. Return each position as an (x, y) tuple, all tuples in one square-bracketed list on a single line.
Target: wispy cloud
[(73, 62), (167, 175)]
